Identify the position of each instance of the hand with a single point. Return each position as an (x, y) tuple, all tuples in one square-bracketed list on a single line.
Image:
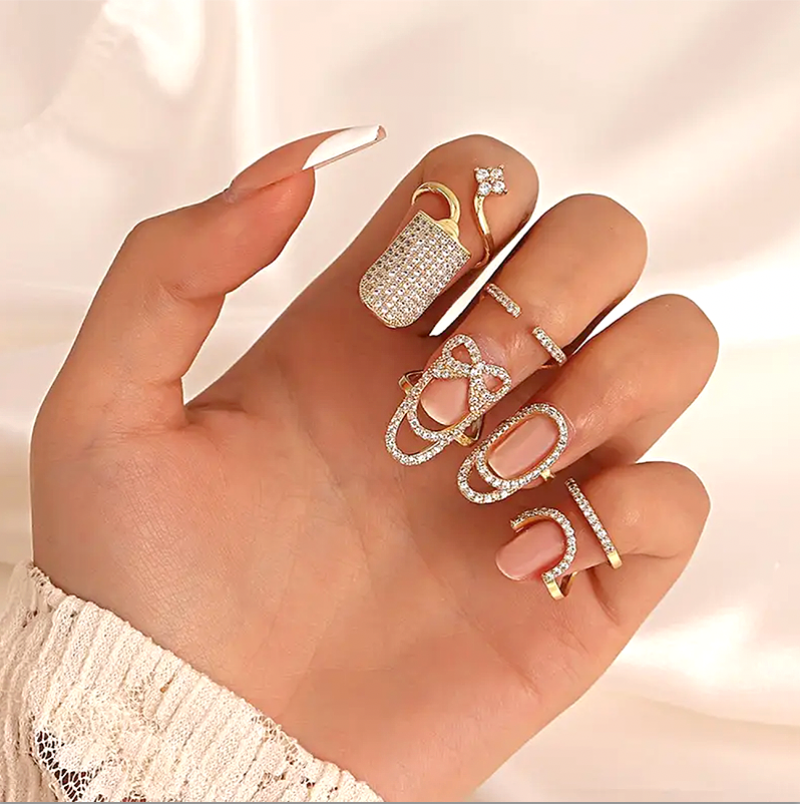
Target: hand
[(263, 533)]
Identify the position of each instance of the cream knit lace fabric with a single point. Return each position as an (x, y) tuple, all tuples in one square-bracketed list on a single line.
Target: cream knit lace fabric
[(93, 710)]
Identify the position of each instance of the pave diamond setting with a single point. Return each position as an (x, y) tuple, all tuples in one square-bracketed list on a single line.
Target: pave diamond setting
[(503, 487), (550, 578), (612, 556), (416, 267), (553, 349), (448, 367), (502, 298)]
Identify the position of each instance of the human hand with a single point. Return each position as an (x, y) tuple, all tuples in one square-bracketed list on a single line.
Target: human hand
[(263, 533)]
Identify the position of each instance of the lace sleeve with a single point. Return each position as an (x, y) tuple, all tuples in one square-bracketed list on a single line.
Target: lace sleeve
[(93, 710)]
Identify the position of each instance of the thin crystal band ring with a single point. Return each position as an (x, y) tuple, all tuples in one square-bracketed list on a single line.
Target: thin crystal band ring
[(552, 348), (612, 556), (515, 311), (503, 299)]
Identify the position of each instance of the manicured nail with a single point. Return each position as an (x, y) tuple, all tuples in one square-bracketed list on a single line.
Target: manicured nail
[(308, 153), (534, 551), (343, 143), (460, 359), (524, 447), (446, 401)]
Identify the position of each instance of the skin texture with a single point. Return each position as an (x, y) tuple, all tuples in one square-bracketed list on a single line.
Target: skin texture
[(262, 532)]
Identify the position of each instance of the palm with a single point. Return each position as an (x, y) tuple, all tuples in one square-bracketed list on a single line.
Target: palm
[(279, 548)]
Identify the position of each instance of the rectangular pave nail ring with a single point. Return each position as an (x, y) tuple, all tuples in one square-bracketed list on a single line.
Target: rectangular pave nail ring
[(417, 266)]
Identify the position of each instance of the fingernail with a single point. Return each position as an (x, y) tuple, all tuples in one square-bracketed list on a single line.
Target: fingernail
[(523, 447), (309, 153), (343, 143), (446, 401), (533, 552)]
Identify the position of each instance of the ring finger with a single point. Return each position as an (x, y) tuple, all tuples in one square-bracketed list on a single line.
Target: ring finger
[(619, 393)]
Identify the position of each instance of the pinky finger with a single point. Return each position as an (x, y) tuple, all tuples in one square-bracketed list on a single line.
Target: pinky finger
[(653, 513)]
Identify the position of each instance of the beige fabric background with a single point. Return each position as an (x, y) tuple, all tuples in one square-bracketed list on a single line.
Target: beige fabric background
[(686, 112)]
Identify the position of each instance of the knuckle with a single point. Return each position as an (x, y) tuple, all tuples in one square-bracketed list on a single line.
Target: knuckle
[(161, 247), (686, 505), (692, 316), (482, 143), (145, 234), (475, 143)]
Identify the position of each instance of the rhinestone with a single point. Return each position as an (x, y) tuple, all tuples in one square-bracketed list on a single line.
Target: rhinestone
[(552, 348), (594, 522), (484, 188), (511, 307)]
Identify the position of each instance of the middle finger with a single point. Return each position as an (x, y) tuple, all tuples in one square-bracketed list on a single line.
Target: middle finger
[(579, 260)]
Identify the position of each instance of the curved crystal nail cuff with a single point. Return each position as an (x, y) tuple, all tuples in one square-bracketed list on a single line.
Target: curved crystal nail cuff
[(479, 399), (505, 487), (558, 589), (612, 556), (553, 349)]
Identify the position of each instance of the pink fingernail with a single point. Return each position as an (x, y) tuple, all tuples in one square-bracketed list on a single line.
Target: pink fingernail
[(446, 401), (524, 447), (534, 551), (308, 153)]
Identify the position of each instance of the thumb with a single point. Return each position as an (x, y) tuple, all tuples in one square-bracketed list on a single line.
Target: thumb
[(165, 289)]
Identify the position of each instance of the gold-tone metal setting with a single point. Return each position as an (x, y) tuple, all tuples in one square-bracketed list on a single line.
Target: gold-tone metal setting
[(557, 579), (586, 508), (450, 223), (505, 487), (479, 399), (490, 181)]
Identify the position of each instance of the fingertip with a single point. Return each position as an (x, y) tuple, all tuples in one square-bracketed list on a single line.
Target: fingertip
[(535, 550)]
